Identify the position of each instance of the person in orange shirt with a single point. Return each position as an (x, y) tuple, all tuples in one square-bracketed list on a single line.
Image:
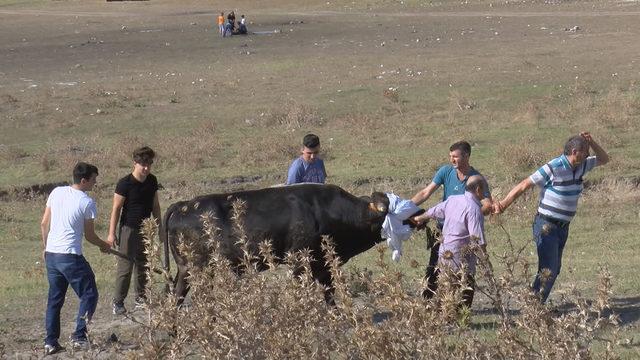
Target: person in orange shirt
[(221, 23)]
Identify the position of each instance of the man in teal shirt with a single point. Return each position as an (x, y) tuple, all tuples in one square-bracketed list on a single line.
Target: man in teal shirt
[(453, 177)]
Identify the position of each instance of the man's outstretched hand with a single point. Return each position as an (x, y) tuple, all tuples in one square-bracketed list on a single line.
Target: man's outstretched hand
[(498, 208)]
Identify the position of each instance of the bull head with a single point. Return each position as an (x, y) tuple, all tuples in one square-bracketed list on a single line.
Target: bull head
[(379, 203)]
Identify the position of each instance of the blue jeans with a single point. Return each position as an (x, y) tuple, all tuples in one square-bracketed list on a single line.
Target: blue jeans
[(64, 270), (550, 238)]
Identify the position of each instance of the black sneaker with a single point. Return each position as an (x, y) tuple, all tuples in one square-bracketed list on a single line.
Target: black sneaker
[(118, 308), (52, 349)]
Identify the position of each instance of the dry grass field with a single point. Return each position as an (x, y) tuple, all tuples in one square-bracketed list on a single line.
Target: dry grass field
[(387, 85)]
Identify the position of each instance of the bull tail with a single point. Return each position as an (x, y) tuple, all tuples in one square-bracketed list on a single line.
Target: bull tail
[(164, 239)]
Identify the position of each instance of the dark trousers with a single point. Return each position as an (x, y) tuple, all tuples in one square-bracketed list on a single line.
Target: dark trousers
[(432, 272), (131, 244), (467, 293), (64, 270), (431, 275)]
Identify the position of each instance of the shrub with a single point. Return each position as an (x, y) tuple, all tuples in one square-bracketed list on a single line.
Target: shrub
[(282, 314)]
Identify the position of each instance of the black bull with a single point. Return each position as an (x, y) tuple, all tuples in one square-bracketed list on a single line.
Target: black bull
[(291, 217)]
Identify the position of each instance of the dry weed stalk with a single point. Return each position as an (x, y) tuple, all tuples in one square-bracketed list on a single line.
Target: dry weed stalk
[(458, 103), (391, 94), (291, 116)]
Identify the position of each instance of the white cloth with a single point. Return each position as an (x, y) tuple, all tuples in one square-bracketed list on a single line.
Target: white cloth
[(392, 228), (69, 209)]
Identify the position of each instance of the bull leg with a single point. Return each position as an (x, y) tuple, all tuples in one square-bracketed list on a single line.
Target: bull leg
[(181, 284), (322, 275)]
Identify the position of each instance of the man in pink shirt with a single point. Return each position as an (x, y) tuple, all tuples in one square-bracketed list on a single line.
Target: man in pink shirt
[(463, 226)]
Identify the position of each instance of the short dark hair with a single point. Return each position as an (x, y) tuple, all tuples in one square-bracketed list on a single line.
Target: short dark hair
[(311, 141), (82, 170), (463, 146), (576, 142), (144, 155)]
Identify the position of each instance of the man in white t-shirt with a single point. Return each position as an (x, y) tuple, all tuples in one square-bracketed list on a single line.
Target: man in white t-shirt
[(69, 214)]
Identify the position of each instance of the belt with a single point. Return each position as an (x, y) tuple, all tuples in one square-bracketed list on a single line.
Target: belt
[(557, 222)]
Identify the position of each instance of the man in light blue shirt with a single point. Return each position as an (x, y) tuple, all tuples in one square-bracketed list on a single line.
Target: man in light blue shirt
[(308, 168), (560, 181)]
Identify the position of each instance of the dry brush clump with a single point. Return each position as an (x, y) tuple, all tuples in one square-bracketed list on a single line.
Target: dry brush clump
[(197, 149), (393, 97), (531, 114), (522, 158), (606, 113), (618, 109), (613, 191), (57, 156), (292, 116), (457, 104), (12, 154), (238, 312), (538, 331), (278, 152)]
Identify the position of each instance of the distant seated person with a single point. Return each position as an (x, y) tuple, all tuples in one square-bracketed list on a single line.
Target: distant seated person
[(308, 168), (242, 27), (240, 30)]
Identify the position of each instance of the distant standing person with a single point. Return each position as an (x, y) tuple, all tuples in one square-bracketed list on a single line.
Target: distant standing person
[(560, 181), (231, 20), (221, 23), (463, 221), (453, 178), (308, 167), (70, 214), (135, 199)]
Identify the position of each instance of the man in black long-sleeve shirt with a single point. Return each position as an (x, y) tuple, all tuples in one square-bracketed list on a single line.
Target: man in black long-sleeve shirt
[(135, 199)]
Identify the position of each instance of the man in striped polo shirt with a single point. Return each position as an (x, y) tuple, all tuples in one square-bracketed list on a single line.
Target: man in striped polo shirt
[(560, 181)]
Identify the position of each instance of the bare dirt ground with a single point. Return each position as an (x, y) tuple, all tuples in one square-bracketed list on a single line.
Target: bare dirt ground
[(63, 61), (53, 55)]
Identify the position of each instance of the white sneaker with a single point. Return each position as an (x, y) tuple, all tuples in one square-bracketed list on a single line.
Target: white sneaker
[(80, 344)]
